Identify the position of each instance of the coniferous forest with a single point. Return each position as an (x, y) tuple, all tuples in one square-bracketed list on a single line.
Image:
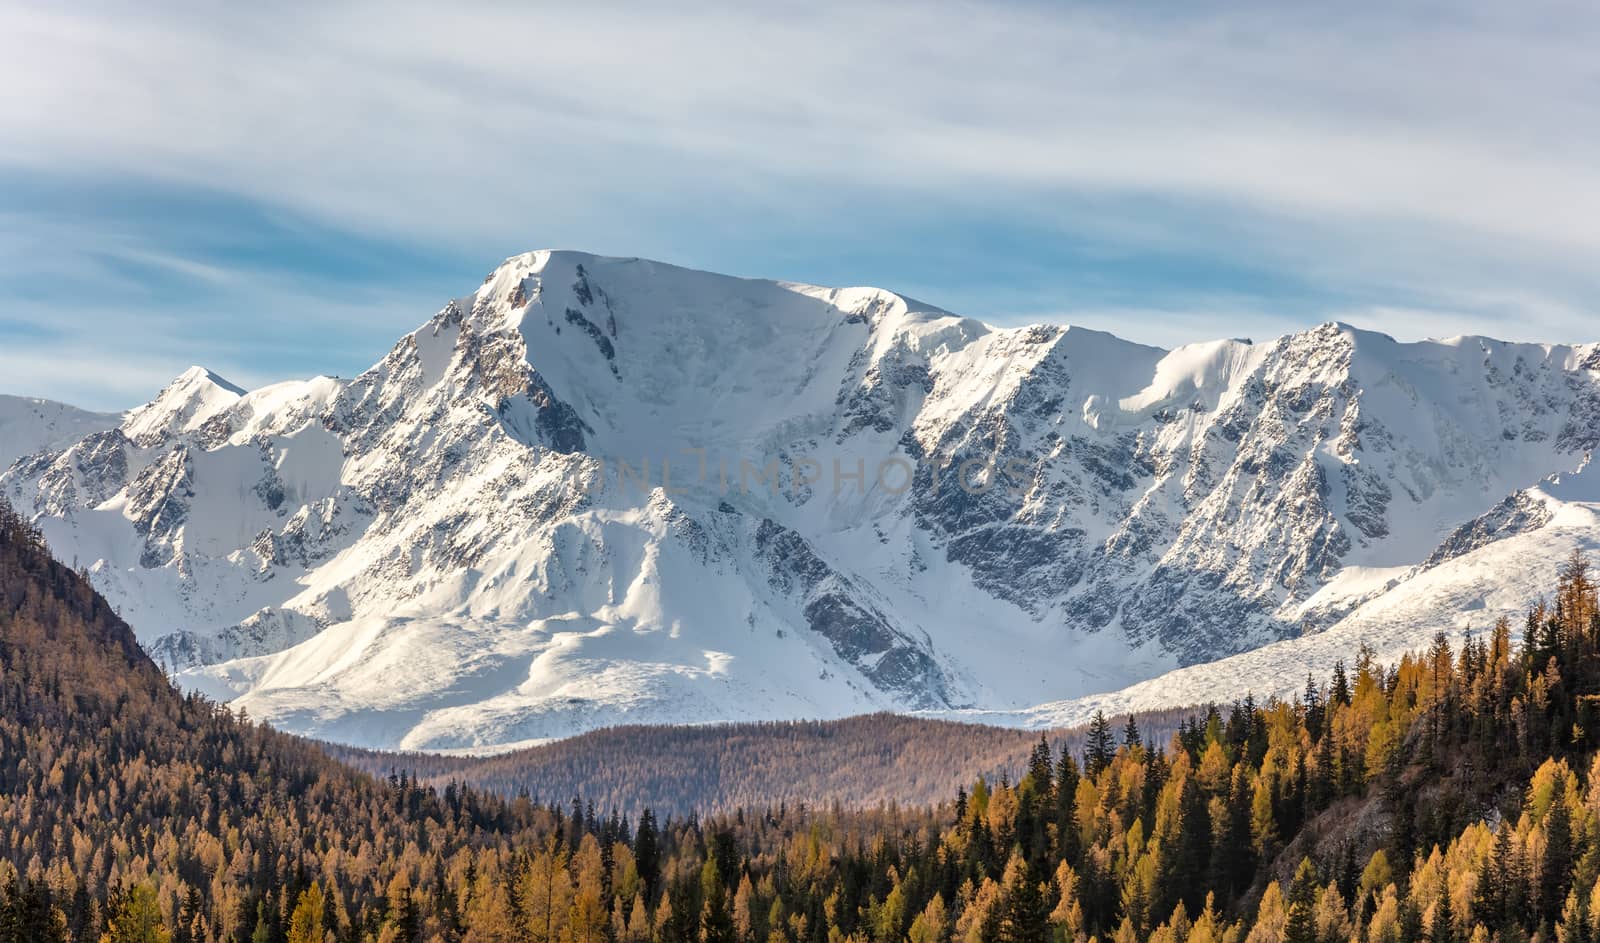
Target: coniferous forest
[(868, 759), (1452, 797)]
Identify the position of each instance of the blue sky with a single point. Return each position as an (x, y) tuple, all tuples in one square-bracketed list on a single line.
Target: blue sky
[(279, 191)]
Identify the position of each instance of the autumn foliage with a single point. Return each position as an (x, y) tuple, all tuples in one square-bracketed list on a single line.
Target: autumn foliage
[(1451, 796)]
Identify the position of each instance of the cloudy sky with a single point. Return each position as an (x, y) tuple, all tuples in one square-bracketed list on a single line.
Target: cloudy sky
[(275, 191)]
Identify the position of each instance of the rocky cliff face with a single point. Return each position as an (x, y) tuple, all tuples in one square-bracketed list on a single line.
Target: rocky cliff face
[(608, 490)]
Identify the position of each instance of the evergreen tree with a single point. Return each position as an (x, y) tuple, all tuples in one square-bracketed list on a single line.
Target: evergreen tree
[(683, 921), (647, 853), (27, 915), (1185, 850), (1130, 734), (1410, 922), (191, 918), (1099, 749), (1320, 787), (408, 919), (1302, 926), (1066, 810), (1027, 918), (1555, 870), (1313, 709), (1233, 857), (1339, 690), (1443, 929), (1489, 893), (1039, 769)]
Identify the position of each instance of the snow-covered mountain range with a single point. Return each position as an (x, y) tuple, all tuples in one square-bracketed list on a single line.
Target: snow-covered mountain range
[(600, 491)]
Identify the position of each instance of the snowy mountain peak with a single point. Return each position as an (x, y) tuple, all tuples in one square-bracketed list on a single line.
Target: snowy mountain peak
[(196, 395), (200, 375), (601, 490)]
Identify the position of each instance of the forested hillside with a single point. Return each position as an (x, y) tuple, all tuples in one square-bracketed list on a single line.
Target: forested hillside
[(1453, 796), (858, 762), (123, 804)]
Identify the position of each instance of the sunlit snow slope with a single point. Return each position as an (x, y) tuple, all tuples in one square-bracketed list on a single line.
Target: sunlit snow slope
[(30, 425), (547, 509)]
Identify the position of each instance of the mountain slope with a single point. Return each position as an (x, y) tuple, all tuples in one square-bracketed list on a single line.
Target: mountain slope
[(114, 785), (1489, 569), (32, 425), (600, 491)]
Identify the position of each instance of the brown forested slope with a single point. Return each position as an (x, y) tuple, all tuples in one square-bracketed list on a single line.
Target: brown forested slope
[(859, 762), (109, 779)]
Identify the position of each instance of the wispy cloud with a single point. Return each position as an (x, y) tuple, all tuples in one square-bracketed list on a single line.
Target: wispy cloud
[(191, 268), (1378, 157)]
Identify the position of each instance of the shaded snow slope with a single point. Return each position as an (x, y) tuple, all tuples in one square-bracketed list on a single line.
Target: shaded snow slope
[(598, 491)]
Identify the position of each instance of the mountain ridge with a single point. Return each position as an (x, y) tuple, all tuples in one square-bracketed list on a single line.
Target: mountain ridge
[(454, 550)]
